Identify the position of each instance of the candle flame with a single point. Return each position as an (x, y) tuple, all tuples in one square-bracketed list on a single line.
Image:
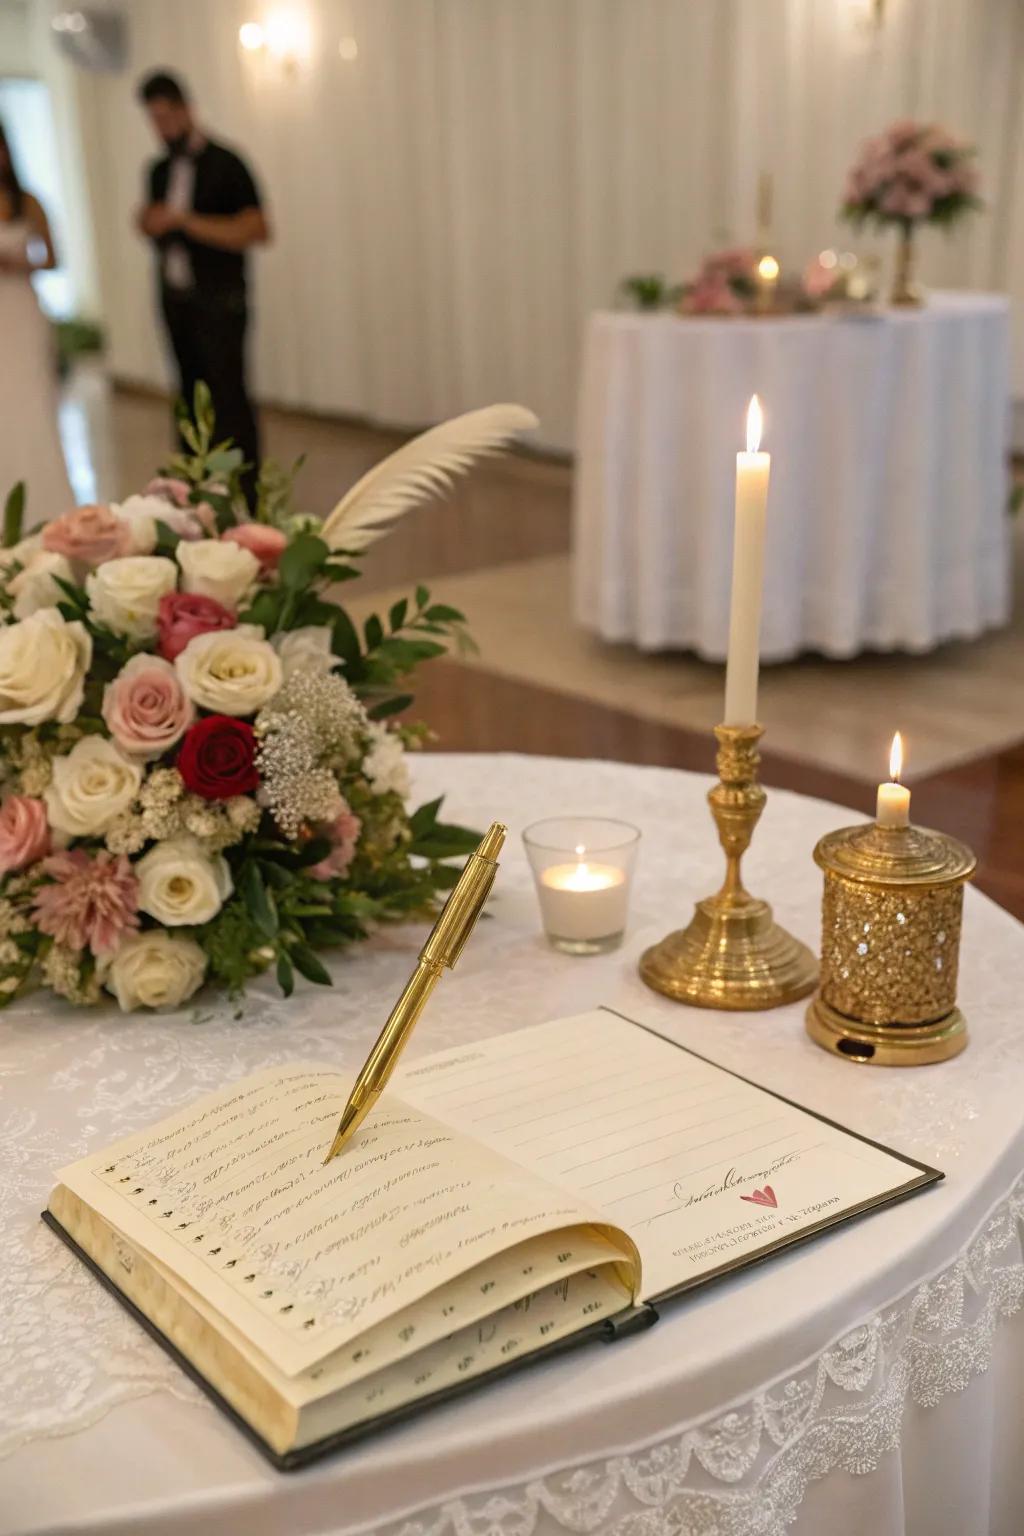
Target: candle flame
[(580, 850), (755, 421), (896, 758), (768, 269)]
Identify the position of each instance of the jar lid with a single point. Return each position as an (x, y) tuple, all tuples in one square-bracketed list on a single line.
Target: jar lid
[(874, 855)]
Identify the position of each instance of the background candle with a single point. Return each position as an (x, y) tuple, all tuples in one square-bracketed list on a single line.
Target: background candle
[(752, 471), (893, 806)]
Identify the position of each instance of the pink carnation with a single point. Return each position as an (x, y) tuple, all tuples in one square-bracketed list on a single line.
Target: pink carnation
[(92, 901), (24, 833), (343, 834), (260, 539), (89, 534), (170, 488), (145, 708)]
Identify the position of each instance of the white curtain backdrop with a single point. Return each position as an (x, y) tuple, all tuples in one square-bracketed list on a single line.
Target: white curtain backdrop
[(450, 204)]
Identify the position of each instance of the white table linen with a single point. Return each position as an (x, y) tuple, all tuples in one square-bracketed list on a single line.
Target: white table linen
[(890, 1348), (889, 437)]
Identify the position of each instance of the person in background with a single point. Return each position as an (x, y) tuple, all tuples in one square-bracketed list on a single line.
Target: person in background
[(30, 448), (203, 212)]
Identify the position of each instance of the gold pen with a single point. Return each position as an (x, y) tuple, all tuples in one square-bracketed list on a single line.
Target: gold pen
[(444, 946)]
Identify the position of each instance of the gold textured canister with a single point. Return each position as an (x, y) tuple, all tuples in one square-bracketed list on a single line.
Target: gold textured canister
[(890, 945)]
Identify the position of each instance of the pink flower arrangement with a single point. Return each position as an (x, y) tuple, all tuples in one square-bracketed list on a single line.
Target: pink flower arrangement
[(912, 173), (183, 615), (343, 835), (24, 832), (177, 492), (145, 708), (260, 539), (90, 535), (91, 901), (725, 284)]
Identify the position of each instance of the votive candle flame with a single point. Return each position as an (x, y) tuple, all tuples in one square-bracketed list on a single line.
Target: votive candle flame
[(893, 805)]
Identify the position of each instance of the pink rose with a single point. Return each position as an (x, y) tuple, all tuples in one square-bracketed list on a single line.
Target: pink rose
[(145, 708), (171, 489), (183, 615), (343, 834), (24, 833), (89, 534), (266, 543)]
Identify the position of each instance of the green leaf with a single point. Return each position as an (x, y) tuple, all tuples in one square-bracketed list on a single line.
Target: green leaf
[(14, 515), (426, 817), (259, 901), (312, 852), (167, 540), (422, 597), (443, 842), (307, 963), (285, 974), (441, 613), (389, 707), (396, 616), (305, 556), (373, 630), (345, 642)]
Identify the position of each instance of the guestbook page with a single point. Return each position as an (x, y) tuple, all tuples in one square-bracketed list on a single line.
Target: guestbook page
[(700, 1167)]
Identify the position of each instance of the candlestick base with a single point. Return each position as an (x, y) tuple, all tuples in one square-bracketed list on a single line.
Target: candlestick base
[(733, 955), (886, 1045)]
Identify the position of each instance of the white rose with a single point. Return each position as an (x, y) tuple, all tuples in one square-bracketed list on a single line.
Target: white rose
[(305, 650), (385, 766), (180, 883), (218, 568), (230, 671), (155, 970), (34, 587), (21, 552), (125, 594), (139, 514), (43, 662), (91, 786)]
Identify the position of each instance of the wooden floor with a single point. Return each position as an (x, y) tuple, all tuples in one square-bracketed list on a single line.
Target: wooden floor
[(981, 802)]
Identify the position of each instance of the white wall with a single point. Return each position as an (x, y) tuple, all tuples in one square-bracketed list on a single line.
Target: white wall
[(450, 205)]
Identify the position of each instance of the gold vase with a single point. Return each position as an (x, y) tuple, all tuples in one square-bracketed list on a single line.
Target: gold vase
[(905, 290), (733, 954)]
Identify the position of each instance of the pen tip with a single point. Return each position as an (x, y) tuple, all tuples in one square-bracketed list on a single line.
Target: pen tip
[(492, 842)]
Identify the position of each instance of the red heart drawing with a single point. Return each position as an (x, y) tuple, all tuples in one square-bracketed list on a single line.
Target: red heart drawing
[(764, 1196)]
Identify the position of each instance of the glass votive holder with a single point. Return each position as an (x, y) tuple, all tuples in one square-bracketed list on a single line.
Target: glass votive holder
[(582, 867)]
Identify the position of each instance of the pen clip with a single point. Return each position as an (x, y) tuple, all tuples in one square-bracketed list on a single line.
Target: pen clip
[(458, 916)]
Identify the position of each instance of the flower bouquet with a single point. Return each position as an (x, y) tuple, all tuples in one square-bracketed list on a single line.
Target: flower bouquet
[(200, 777), (913, 173), (725, 285)]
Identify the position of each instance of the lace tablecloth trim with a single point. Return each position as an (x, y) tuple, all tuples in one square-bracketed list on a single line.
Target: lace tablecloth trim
[(842, 1410)]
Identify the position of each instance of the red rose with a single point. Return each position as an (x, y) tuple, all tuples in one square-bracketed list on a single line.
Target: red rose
[(183, 615), (218, 758)]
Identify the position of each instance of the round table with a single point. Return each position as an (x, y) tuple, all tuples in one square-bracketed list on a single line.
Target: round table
[(889, 437), (867, 1382)]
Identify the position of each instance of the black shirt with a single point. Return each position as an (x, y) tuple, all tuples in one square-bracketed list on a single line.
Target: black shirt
[(223, 185)]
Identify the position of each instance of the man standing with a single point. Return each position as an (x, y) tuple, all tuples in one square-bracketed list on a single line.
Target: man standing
[(203, 213)]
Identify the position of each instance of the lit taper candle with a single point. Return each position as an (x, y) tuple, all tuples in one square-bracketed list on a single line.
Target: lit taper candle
[(752, 470), (893, 807)]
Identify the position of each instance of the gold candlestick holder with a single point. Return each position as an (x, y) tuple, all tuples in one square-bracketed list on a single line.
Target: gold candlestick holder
[(890, 945), (733, 955)]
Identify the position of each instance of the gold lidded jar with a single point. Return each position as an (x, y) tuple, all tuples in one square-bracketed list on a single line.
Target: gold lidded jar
[(890, 945)]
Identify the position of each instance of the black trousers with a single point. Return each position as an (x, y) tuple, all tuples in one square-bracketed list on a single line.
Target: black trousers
[(207, 336)]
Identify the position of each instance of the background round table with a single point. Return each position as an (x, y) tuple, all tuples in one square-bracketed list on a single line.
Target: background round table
[(871, 1381), (889, 437)]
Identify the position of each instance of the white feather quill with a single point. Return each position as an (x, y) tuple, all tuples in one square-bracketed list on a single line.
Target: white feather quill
[(419, 469)]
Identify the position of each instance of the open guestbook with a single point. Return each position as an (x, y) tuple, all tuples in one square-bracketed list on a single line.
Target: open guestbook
[(508, 1198)]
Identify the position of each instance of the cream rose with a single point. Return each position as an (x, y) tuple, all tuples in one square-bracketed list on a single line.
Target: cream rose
[(43, 662), (155, 970), (34, 586), (91, 786), (139, 515), (218, 568), (230, 671), (181, 884), (125, 594), (305, 650)]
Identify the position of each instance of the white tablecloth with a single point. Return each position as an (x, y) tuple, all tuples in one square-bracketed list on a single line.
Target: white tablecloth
[(873, 1381), (887, 521)]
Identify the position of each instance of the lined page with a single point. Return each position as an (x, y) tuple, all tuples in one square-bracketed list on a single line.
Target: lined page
[(232, 1196), (700, 1167)]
